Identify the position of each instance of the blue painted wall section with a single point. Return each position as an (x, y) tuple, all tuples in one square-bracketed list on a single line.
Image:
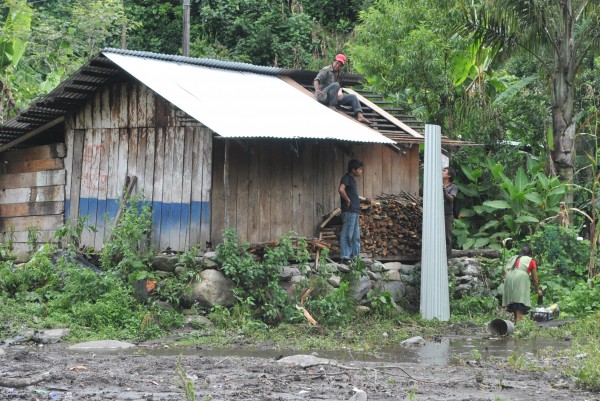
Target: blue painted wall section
[(168, 219)]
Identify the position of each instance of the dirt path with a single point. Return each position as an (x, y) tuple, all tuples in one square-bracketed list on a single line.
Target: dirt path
[(146, 374)]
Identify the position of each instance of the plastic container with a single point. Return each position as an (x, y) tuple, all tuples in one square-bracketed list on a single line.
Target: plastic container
[(542, 314), (500, 327)]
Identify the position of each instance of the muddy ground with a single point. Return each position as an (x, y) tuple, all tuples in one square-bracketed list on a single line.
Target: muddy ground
[(150, 373)]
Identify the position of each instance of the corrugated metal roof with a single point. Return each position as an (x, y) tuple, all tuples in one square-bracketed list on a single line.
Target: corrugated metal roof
[(233, 103), (100, 71)]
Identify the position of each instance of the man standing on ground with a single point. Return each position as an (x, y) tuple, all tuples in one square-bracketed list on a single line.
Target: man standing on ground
[(350, 236), (329, 92), (450, 191)]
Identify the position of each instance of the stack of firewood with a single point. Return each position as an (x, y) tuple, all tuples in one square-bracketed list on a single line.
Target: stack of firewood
[(390, 226)]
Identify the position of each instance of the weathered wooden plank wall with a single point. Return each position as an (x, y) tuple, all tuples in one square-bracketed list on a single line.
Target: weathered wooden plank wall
[(127, 130), (280, 185), (32, 194)]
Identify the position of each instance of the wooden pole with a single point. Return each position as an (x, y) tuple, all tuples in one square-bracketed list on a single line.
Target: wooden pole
[(186, 28)]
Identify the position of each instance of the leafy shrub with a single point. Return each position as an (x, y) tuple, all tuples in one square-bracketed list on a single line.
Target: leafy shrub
[(330, 307), (382, 303), (259, 281), (558, 250), (128, 251), (473, 306)]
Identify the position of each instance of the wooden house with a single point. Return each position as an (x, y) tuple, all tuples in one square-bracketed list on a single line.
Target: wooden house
[(206, 143)]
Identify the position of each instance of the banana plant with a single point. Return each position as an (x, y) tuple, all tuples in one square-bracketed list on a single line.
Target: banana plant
[(14, 33), (501, 207)]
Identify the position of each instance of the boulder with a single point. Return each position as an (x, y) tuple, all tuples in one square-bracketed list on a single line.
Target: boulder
[(360, 288), (392, 266), (391, 275), (287, 272), (164, 263), (334, 281), (49, 336), (213, 289), (397, 289)]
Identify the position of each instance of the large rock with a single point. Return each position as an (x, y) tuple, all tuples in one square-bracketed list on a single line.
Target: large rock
[(360, 288), (50, 336), (391, 275), (397, 289), (213, 289), (392, 266), (164, 263)]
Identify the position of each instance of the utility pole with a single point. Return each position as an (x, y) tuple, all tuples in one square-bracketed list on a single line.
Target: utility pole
[(186, 28), (124, 28)]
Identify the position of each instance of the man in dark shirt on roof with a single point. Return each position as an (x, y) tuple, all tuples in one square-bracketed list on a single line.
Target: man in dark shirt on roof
[(350, 235), (329, 92)]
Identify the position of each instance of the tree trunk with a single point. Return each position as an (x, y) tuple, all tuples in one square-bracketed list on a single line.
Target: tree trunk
[(563, 96)]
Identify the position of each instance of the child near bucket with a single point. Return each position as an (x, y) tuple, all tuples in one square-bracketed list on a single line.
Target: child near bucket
[(517, 285)]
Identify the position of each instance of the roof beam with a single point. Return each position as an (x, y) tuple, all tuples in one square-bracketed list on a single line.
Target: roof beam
[(31, 134)]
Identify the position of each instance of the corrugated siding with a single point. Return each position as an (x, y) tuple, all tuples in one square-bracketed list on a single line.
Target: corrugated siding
[(435, 302), (278, 186), (127, 130)]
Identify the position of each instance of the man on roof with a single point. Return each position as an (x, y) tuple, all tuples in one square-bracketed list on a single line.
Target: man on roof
[(328, 90)]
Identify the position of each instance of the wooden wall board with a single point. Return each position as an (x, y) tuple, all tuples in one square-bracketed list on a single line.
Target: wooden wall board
[(308, 202), (398, 169), (97, 110), (166, 227), (207, 169), (113, 191), (264, 186), (149, 163), (132, 113), (253, 210), (76, 173), (105, 143), (218, 195), (186, 192), (239, 167), (196, 187), (150, 107), (94, 152), (386, 167), (31, 209), (106, 109), (69, 133), (44, 223), (297, 187), (157, 194), (36, 179), (53, 193), (52, 151), (176, 189)]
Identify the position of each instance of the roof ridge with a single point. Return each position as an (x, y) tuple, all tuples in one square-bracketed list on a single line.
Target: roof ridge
[(204, 62)]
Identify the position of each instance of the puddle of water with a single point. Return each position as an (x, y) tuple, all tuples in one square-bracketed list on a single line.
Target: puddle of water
[(432, 353)]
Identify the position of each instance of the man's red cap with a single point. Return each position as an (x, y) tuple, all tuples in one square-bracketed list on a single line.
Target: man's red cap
[(341, 58)]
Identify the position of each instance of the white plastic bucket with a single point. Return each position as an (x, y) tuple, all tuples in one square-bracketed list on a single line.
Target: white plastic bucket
[(500, 327)]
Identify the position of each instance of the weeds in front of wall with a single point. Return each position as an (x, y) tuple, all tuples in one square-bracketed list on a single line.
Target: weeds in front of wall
[(7, 245)]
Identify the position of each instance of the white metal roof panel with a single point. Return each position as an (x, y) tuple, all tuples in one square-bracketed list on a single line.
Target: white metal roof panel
[(242, 104)]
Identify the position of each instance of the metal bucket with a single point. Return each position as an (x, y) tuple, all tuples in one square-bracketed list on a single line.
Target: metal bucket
[(500, 327)]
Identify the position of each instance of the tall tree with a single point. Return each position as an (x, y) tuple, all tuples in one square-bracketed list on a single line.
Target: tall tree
[(556, 33)]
